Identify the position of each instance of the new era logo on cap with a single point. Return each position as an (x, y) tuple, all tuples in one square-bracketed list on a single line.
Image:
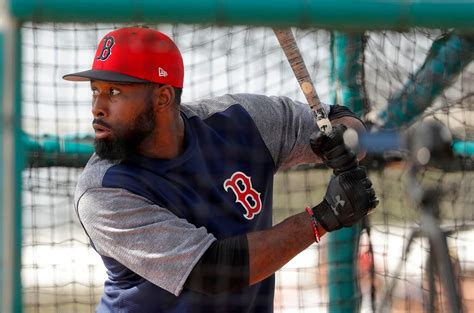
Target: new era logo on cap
[(162, 72)]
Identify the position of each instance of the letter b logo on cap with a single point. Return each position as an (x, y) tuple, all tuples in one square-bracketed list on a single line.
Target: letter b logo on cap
[(106, 50)]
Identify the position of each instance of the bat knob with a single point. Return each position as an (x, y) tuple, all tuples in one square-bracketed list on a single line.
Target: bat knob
[(324, 125)]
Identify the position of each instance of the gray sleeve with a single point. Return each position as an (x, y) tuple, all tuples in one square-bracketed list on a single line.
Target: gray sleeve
[(144, 237), (285, 126)]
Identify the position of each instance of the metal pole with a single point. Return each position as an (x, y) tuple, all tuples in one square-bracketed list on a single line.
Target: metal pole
[(11, 165), (330, 14), (347, 64)]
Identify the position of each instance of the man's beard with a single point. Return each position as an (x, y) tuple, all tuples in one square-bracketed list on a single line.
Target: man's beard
[(125, 141)]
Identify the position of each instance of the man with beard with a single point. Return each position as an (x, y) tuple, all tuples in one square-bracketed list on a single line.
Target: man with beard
[(177, 199)]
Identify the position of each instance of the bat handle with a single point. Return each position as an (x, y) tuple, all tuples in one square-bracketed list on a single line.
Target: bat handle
[(322, 121), (320, 116), (290, 48)]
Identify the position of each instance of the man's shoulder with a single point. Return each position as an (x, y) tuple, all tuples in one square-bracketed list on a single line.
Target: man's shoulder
[(205, 108), (93, 174)]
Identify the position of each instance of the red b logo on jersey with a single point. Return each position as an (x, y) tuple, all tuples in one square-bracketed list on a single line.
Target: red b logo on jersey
[(245, 194)]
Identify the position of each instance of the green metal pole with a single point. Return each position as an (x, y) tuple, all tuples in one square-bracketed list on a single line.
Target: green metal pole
[(332, 71), (332, 14), (344, 293), (11, 165), (348, 67), (447, 57), (18, 166), (4, 301), (51, 150), (76, 149), (347, 51), (463, 148)]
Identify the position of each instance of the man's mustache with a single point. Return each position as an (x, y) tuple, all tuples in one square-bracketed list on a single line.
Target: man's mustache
[(101, 122)]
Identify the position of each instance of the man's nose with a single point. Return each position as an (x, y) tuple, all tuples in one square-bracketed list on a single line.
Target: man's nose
[(100, 107)]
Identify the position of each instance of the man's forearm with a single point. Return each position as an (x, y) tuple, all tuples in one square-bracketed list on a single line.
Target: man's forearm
[(270, 249), (237, 262)]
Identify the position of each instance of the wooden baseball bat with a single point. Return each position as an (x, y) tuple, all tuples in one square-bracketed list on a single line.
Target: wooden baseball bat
[(288, 44)]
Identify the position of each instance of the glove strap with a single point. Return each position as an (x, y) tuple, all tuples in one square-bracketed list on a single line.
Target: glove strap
[(314, 223)]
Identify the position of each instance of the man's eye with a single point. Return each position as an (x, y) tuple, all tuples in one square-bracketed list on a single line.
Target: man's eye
[(95, 92), (114, 92)]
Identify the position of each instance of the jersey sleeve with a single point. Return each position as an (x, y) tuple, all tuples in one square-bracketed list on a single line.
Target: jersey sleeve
[(144, 237), (284, 125)]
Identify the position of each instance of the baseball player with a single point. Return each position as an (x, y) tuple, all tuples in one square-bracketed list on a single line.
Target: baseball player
[(177, 199)]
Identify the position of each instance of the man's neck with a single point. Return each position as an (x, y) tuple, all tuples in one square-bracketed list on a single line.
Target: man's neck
[(167, 141)]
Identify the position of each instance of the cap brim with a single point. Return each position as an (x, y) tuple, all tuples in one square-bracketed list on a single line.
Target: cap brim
[(103, 75)]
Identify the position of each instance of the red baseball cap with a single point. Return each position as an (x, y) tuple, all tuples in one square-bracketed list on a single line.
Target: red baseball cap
[(135, 55)]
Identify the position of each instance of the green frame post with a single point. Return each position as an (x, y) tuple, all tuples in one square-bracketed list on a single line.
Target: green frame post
[(11, 165), (329, 14), (347, 69), (332, 14), (343, 284), (52, 150)]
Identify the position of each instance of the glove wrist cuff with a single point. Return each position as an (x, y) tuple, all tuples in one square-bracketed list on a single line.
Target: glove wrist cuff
[(325, 216)]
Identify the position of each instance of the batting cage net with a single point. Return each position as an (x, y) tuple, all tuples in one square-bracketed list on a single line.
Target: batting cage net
[(392, 80)]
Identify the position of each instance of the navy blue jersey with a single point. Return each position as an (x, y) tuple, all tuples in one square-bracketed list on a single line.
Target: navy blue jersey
[(152, 219)]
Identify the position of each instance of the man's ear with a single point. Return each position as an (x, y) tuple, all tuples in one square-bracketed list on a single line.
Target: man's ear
[(163, 97)]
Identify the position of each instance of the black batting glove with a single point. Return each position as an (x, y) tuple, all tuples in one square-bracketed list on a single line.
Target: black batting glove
[(349, 198), (332, 150)]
